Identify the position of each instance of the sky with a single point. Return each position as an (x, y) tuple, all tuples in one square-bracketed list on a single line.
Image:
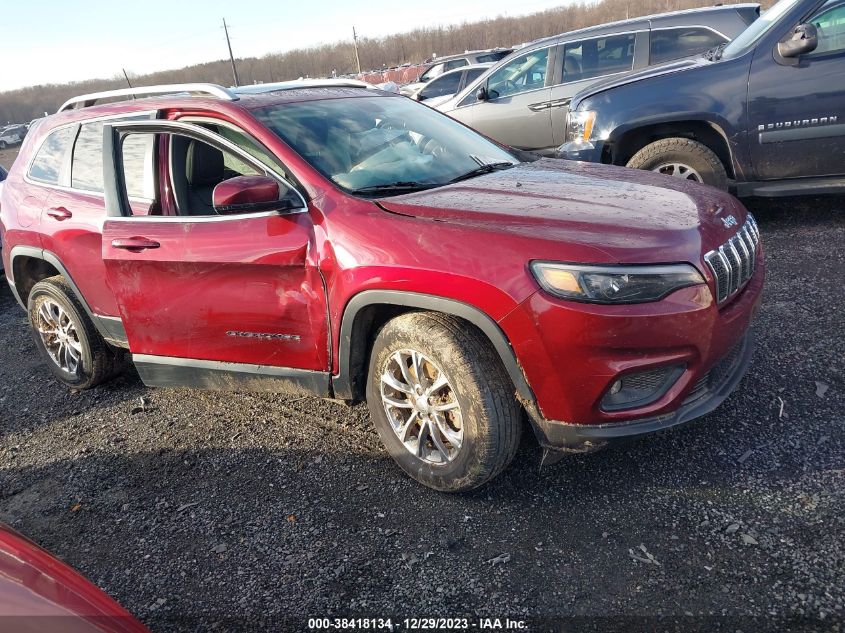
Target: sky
[(54, 41)]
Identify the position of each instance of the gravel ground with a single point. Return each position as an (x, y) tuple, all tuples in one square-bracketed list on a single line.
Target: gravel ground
[(210, 510)]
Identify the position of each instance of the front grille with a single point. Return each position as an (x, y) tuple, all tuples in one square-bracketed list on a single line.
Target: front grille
[(717, 374), (734, 261)]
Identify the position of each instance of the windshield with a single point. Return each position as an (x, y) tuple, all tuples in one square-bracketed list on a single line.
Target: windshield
[(749, 37), (366, 143)]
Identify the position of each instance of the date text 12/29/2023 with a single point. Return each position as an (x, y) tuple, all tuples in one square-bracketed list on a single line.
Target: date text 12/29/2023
[(417, 624)]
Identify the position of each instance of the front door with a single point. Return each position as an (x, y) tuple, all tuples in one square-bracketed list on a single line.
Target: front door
[(796, 107), (202, 293), (516, 111)]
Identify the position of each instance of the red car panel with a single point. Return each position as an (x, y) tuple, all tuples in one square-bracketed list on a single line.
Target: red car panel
[(38, 592)]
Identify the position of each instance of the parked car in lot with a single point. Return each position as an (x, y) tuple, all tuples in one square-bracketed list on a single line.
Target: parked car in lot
[(766, 114), (448, 84), (38, 593), (9, 135), (523, 100), (354, 244), (445, 64)]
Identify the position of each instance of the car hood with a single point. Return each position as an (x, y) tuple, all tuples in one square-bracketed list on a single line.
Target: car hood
[(640, 75), (629, 216)]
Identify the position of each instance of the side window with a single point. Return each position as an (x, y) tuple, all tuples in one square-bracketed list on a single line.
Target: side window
[(492, 57), (445, 85), (50, 159), (455, 63), (601, 56), (473, 74), (431, 73), (831, 26), (524, 73), (86, 170), (139, 166), (194, 168), (669, 44)]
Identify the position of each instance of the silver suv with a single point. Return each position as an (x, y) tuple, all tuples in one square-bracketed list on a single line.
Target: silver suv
[(522, 101)]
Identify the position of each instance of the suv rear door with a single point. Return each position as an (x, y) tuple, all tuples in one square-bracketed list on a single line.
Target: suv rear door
[(205, 297)]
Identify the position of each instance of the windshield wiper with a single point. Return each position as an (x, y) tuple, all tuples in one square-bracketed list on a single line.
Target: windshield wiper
[(715, 53), (483, 169), (402, 185)]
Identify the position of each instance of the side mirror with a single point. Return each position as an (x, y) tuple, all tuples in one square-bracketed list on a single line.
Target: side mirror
[(419, 97), (247, 194), (481, 94), (805, 39)]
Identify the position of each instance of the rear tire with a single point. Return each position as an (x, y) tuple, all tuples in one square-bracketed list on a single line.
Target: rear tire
[(682, 158), (470, 426), (66, 338)]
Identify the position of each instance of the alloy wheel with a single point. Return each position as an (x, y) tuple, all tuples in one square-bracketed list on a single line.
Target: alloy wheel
[(422, 407), (679, 170), (59, 335)]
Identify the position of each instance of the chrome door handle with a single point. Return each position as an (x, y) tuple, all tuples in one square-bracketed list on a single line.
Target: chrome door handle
[(59, 213)]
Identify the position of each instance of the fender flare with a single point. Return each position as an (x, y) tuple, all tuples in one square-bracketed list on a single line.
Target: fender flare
[(342, 384), (110, 328)]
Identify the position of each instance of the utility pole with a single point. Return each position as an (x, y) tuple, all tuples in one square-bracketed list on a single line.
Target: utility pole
[(355, 41), (231, 57)]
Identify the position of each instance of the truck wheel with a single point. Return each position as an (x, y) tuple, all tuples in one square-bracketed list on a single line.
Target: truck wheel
[(66, 339), (442, 402), (682, 158)]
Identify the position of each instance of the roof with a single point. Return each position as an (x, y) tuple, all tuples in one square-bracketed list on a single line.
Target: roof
[(645, 20)]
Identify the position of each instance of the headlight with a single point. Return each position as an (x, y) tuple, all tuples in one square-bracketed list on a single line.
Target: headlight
[(579, 125), (614, 284)]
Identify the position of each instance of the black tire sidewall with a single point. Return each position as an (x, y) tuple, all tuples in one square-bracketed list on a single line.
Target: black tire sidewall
[(695, 157), (460, 473), (45, 290)]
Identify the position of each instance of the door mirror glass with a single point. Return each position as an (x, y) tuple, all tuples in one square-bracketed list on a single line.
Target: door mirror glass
[(805, 39), (247, 194)]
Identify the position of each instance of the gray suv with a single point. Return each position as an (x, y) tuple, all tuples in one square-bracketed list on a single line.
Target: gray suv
[(522, 101)]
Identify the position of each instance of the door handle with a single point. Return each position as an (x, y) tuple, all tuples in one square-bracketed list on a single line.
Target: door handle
[(134, 244), (59, 213)]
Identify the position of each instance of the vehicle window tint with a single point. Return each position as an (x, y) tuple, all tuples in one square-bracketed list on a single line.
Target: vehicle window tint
[(139, 166), (47, 166), (455, 63), (86, 172), (526, 72), (473, 74), (492, 57), (601, 56), (431, 73), (669, 44), (831, 26), (445, 85)]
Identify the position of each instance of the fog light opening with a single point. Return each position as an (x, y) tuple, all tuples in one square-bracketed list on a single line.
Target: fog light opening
[(640, 388)]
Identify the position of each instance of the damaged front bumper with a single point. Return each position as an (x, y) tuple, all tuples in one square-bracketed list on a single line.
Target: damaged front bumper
[(705, 396)]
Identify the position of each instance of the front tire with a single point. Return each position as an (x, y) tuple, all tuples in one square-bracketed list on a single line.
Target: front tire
[(74, 351), (682, 158), (442, 402)]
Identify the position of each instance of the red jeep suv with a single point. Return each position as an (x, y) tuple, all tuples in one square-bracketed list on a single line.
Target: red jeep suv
[(344, 242)]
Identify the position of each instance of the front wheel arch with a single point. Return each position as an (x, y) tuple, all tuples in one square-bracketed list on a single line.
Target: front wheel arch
[(708, 134), (367, 311)]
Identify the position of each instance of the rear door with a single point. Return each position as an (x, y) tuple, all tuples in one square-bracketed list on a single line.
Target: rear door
[(203, 291), (796, 108)]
